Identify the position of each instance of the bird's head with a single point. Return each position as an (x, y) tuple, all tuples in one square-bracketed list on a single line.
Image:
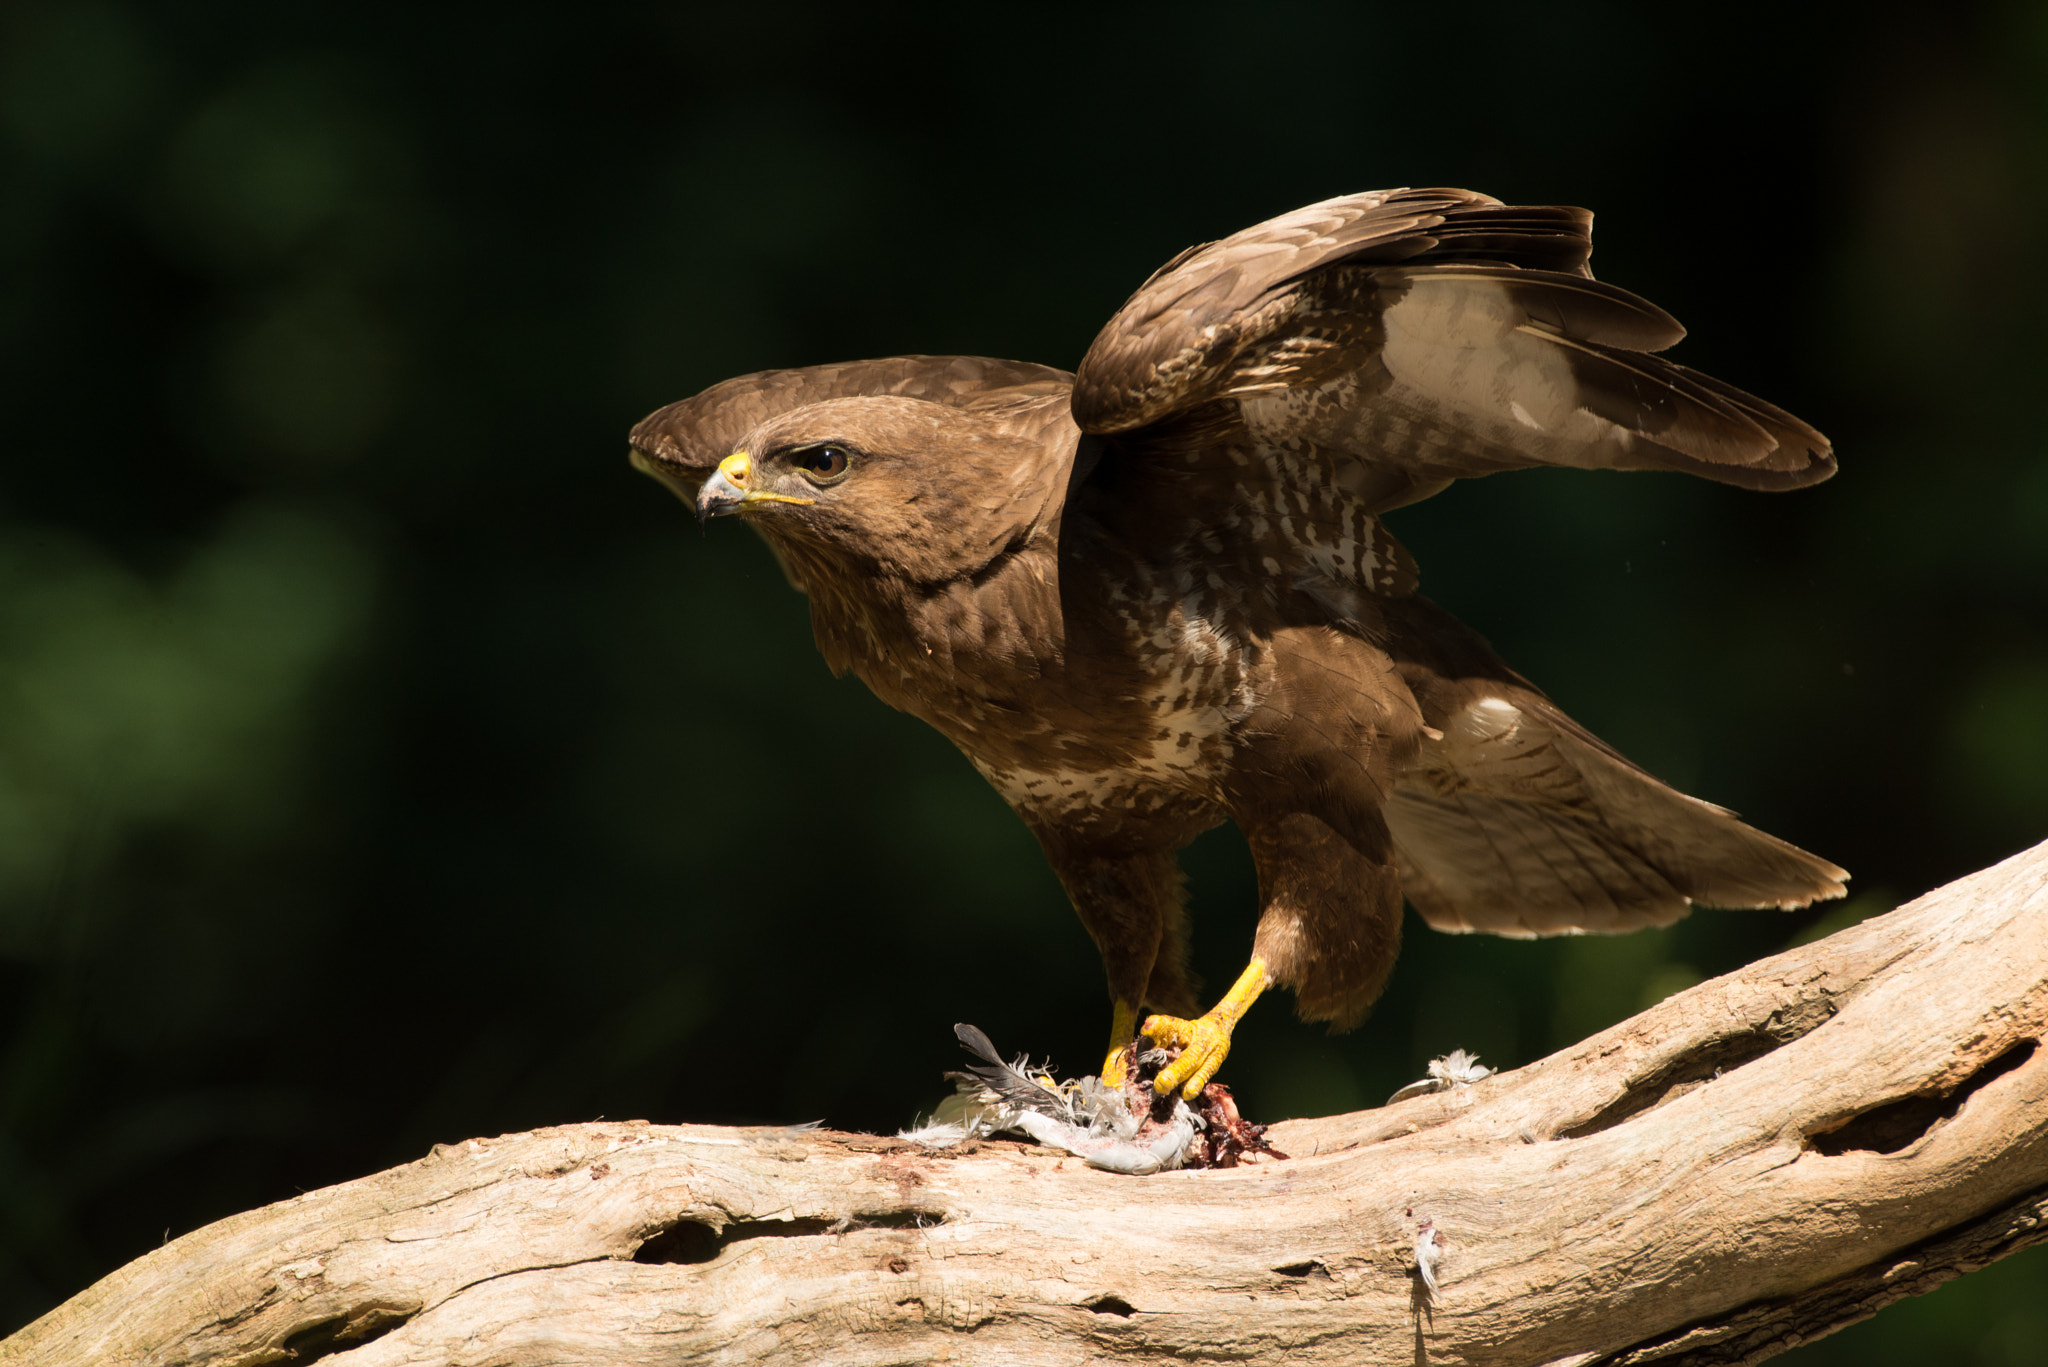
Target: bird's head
[(882, 484)]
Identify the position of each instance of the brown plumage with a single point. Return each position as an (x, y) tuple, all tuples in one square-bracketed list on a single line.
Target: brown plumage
[(1156, 595)]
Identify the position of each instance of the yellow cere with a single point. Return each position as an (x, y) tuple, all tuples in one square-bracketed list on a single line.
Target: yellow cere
[(738, 469)]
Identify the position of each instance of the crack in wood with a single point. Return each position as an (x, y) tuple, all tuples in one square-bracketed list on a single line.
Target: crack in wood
[(1897, 1125), (1707, 1061), (700, 1241), (345, 1332)]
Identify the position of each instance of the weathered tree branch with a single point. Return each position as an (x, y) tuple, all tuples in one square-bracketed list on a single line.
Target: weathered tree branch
[(1748, 1165)]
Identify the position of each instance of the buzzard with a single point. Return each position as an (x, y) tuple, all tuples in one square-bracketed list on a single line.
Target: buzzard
[(1157, 594)]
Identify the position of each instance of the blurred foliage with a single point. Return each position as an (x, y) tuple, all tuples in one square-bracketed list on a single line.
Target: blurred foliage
[(382, 763)]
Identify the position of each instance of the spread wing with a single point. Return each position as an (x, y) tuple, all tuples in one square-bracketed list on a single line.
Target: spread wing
[(1407, 338), (1520, 822)]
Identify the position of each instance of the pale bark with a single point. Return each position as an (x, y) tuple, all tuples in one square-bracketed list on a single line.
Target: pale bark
[(1745, 1166)]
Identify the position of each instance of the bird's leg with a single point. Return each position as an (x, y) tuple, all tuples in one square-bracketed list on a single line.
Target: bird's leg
[(1123, 1028), (1205, 1041), (1131, 903)]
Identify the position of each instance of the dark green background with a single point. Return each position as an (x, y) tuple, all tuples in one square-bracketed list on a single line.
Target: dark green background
[(383, 763)]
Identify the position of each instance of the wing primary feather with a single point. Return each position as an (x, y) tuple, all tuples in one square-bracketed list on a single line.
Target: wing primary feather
[(1666, 405)]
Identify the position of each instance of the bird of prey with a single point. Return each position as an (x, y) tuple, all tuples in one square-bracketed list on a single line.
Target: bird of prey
[(1156, 594)]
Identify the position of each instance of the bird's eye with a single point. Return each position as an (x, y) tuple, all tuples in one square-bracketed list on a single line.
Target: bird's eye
[(822, 464)]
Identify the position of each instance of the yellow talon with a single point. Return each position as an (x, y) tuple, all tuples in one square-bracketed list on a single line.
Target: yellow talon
[(1123, 1028), (1204, 1042)]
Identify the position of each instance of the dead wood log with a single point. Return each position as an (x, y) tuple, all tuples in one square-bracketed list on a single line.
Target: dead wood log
[(1748, 1165)]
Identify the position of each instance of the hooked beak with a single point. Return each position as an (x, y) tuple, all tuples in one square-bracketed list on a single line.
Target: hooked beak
[(730, 487), (723, 492)]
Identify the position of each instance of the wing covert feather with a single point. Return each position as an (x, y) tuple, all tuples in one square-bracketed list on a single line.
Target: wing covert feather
[(1174, 343)]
